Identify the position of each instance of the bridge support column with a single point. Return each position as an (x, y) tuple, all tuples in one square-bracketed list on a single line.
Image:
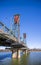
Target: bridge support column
[(16, 54), (26, 52)]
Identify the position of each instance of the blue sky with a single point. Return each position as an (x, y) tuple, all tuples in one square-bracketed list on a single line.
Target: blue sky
[(30, 18)]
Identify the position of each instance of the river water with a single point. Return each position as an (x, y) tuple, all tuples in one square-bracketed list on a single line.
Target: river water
[(33, 58)]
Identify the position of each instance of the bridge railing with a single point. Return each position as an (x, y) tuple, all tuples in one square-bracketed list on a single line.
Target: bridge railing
[(4, 29)]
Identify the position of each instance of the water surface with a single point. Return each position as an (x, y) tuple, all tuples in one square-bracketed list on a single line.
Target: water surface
[(33, 58)]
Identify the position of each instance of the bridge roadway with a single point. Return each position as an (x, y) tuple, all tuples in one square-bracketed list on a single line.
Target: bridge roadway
[(8, 39)]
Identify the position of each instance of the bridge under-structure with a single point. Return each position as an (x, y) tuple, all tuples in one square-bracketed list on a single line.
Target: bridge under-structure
[(7, 38)]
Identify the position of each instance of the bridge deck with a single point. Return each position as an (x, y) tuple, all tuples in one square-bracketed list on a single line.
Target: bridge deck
[(9, 39)]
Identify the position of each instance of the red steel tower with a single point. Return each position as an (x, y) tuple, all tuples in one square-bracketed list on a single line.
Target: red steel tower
[(17, 26)]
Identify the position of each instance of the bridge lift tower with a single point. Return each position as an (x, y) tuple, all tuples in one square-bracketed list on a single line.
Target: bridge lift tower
[(24, 38), (16, 26)]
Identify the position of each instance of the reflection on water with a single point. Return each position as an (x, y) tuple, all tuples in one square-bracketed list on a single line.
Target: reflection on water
[(21, 61), (33, 58)]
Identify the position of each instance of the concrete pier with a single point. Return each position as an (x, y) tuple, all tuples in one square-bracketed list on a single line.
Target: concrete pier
[(17, 53)]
